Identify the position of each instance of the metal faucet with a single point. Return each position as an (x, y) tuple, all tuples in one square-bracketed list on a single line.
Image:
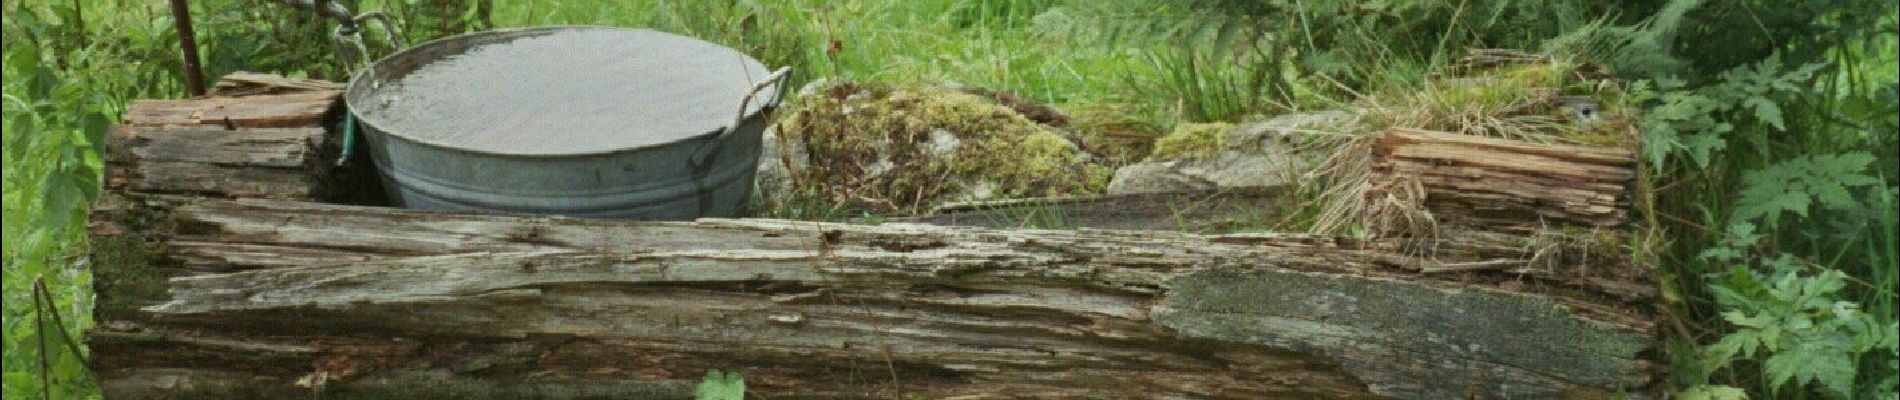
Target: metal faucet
[(346, 22), (349, 44)]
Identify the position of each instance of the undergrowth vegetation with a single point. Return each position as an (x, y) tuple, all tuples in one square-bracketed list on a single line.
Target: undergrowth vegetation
[(1767, 129)]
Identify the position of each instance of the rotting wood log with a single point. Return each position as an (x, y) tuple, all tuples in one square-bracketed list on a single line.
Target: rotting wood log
[(254, 162), (1498, 183), (1595, 259), (258, 136), (210, 298)]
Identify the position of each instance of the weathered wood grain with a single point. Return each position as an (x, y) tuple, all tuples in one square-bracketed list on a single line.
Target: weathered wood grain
[(296, 109), (472, 303), (257, 162), (1213, 211), (213, 284), (1502, 183), (239, 84), (259, 136)]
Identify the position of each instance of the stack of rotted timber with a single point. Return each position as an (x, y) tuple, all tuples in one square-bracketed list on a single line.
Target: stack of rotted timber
[(234, 261)]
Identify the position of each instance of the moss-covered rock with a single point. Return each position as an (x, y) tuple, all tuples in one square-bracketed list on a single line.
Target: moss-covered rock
[(905, 148), (1197, 157), (1192, 140), (1119, 135)]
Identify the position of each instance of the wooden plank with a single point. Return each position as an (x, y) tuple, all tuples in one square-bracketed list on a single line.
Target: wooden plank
[(298, 109), (1498, 183), (239, 84), (432, 301), (259, 162)]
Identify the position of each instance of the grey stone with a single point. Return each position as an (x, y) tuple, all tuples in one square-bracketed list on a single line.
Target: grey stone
[(1225, 170), (1256, 154), (1279, 133), (774, 176)]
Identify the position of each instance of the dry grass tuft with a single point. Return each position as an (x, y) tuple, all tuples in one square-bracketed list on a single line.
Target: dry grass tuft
[(1493, 93)]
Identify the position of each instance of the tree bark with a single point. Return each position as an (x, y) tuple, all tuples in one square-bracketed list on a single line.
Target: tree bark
[(254, 296)]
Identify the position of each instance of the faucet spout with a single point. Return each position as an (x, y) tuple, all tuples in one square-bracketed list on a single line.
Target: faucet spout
[(346, 22)]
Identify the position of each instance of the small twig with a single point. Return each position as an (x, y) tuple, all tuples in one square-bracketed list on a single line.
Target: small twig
[(39, 324), (891, 366), (40, 291)]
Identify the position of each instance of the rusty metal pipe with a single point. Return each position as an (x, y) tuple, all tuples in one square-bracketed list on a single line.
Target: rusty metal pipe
[(346, 22), (188, 43)]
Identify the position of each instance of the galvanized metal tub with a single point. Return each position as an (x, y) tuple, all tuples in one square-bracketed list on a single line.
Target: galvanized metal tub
[(690, 174)]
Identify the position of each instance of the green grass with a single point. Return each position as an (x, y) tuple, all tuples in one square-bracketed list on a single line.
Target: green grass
[(1720, 143)]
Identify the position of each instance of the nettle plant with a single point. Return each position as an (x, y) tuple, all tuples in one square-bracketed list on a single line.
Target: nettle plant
[(1794, 325)]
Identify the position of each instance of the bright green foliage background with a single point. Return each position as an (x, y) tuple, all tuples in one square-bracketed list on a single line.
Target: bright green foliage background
[(1769, 126)]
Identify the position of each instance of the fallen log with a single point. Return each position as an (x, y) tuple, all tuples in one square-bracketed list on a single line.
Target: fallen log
[(214, 298), (1508, 184), (222, 287)]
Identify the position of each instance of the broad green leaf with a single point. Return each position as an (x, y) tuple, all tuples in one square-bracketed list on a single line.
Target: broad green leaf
[(1793, 184), (1824, 363), (1823, 284), (1740, 343), (1766, 111), (719, 385), (94, 128)]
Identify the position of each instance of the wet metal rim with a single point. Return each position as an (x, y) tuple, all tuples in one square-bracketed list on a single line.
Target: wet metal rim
[(359, 81)]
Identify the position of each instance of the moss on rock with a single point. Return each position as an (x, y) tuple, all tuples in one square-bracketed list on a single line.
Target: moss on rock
[(1192, 140), (905, 148)]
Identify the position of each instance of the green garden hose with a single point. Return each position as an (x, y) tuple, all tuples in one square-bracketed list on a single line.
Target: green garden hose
[(351, 50), (349, 138)]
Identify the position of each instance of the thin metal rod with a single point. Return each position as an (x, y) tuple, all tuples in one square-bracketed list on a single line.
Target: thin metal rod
[(187, 41)]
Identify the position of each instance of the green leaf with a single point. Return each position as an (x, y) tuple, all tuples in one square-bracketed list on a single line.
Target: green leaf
[(1702, 145), (1742, 342), (1824, 284), (1792, 185), (720, 386), (1826, 363), (1712, 392), (1767, 111)]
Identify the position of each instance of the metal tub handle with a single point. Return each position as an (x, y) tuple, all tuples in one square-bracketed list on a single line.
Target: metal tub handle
[(701, 161), (777, 98), (698, 160)]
